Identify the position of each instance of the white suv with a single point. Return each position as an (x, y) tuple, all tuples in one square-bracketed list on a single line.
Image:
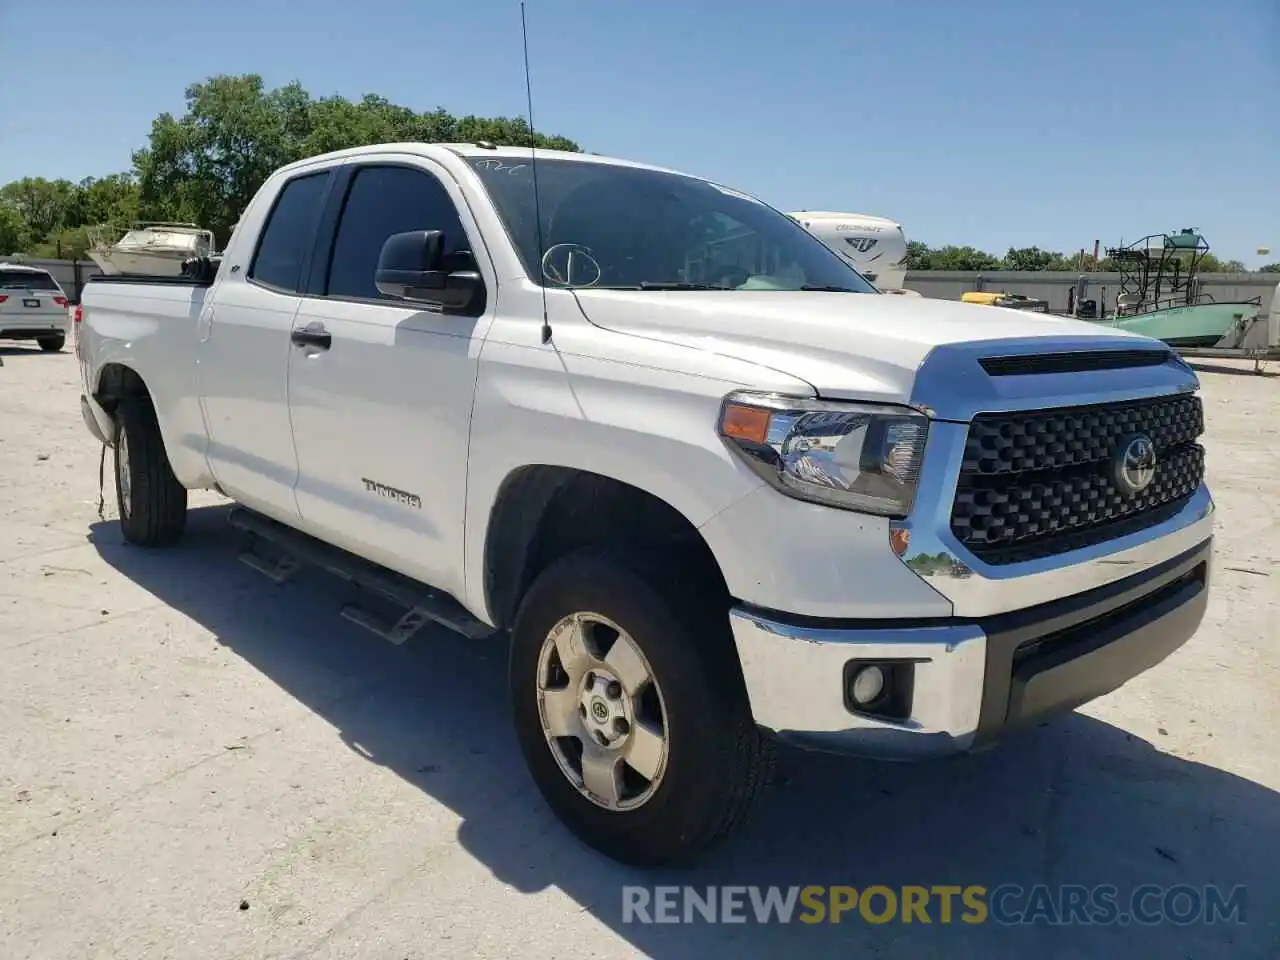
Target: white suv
[(32, 307)]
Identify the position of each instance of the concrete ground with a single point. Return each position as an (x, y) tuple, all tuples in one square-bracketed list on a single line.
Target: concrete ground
[(197, 763)]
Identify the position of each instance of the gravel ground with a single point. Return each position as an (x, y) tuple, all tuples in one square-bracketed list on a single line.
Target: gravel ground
[(198, 763)]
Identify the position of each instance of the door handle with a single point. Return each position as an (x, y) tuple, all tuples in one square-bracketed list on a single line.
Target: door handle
[(312, 335)]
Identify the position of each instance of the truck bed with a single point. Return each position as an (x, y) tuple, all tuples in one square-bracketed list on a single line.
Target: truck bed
[(183, 281), (151, 324), (197, 272)]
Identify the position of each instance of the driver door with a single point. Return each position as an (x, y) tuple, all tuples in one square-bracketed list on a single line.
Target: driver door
[(380, 390)]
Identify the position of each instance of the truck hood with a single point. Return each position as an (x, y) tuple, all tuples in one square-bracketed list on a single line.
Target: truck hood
[(867, 346)]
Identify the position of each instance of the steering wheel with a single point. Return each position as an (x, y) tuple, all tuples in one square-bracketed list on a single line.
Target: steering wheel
[(574, 258)]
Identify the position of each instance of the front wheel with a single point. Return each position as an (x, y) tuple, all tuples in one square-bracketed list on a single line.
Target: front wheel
[(152, 503), (631, 713)]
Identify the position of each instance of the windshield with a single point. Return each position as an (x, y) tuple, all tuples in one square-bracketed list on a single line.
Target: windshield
[(617, 227), (26, 280)]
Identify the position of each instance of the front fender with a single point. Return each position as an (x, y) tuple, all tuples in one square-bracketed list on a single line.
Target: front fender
[(643, 426)]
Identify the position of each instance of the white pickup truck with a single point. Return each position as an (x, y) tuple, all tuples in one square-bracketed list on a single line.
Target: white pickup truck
[(715, 489)]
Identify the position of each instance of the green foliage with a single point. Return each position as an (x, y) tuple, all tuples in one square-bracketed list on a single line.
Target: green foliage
[(1211, 264), (43, 204), (205, 166), (1033, 258), (917, 257), (1270, 268), (111, 200), (71, 243), (15, 235), (953, 258)]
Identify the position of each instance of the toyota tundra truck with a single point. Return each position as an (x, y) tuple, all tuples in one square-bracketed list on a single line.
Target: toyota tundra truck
[(714, 489)]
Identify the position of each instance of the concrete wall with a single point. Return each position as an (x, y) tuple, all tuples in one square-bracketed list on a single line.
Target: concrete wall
[(1053, 286)]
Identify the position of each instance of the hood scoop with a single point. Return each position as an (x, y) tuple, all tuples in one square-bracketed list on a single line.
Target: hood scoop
[(1073, 362)]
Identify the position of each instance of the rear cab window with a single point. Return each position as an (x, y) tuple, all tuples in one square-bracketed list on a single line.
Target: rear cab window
[(11, 279), (289, 233)]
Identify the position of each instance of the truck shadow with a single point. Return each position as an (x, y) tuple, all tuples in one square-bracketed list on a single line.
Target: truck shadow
[(1078, 802)]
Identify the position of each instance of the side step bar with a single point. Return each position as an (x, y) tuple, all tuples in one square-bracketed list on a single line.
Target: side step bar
[(421, 603)]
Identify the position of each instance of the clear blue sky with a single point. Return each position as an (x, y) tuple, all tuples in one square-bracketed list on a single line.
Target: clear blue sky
[(991, 122)]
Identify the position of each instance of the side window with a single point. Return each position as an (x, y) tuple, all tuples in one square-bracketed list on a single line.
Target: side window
[(383, 201), (289, 232)]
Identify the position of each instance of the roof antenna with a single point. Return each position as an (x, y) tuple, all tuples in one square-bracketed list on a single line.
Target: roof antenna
[(533, 159)]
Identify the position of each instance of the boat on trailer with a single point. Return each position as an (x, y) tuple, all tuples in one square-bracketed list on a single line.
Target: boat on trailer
[(149, 249), (1161, 296)]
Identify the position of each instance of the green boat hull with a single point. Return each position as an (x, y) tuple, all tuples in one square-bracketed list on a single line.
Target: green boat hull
[(1199, 325)]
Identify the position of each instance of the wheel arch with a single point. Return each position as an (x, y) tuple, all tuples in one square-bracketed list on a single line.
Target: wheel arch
[(543, 512), (116, 381)]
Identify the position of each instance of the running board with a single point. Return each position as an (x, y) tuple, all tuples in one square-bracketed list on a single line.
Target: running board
[(279, 568), (421, 604)]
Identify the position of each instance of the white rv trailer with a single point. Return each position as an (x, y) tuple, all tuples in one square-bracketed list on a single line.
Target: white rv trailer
[(875, 246)]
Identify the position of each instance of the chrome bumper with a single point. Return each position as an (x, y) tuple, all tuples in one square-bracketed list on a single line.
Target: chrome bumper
[(970, 680)]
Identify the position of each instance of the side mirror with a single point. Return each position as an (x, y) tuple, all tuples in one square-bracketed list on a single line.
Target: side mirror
[(412, 267)]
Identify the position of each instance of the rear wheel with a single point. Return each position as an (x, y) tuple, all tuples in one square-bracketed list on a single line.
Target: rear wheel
[(631, 712), (52, 344), (152, 503)]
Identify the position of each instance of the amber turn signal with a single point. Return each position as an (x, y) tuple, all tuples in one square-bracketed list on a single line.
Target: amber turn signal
[(741, 422)]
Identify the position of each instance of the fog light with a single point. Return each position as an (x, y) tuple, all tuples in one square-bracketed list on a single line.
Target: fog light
[(866, 686)]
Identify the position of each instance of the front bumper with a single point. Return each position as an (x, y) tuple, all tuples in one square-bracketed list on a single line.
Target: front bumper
[(965, 681)]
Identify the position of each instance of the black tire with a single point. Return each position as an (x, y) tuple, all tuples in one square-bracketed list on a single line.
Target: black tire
[(52, 344), (718, 760), (153, 512)]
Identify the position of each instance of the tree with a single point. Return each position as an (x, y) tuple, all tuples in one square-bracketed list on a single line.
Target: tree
[(922, 257), (112, 199), (15, 235), (1033, 258), (961, 258), (1269, 268), (69, 244), (917, 257), (206, 166), (45, 205), (1211, 264)]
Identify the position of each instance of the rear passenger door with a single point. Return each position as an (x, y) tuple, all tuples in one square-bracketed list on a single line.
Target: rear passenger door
[(380, 390), (243, 353)]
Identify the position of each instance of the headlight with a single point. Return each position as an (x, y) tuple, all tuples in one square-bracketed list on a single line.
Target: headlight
[(857, 456)]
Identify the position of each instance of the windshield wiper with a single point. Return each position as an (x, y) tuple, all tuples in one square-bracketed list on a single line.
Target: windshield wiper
[(818, 288), (678, 285)]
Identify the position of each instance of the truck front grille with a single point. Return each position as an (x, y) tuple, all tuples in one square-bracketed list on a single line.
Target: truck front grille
[(1040, 483)]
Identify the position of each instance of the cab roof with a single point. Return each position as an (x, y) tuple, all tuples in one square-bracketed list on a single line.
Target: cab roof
[(479, 150)]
